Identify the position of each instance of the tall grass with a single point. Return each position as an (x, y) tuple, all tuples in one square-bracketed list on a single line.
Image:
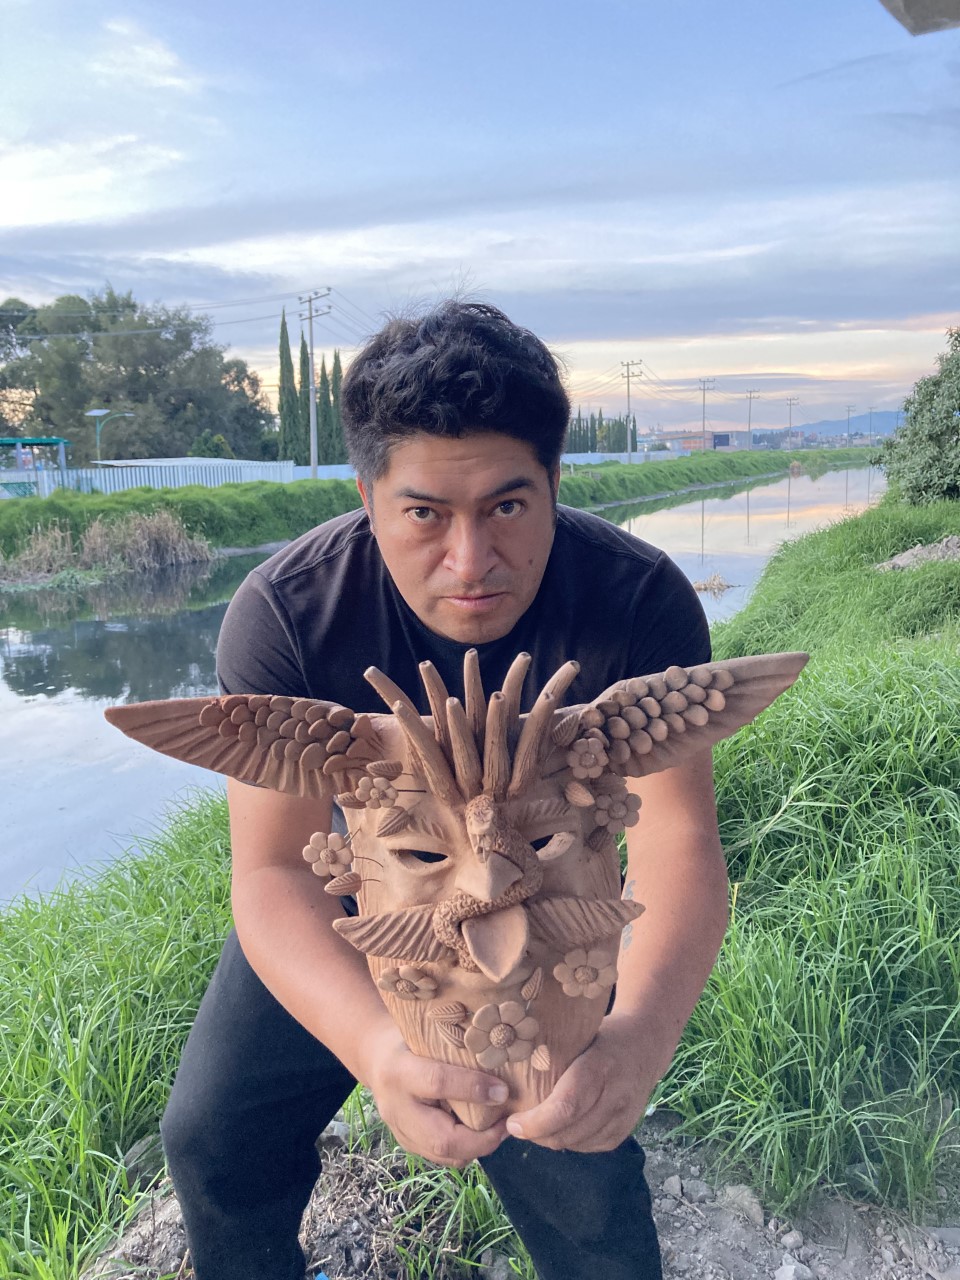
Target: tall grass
[(826, 1048), (100, 982), (131, 543)]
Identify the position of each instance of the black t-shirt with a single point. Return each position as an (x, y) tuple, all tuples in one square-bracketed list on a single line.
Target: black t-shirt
[(312, 618)]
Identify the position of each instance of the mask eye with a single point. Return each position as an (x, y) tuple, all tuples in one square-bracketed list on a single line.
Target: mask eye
[(541, 843), (418, 859)]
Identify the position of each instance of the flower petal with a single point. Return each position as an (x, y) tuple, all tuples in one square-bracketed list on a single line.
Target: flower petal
[(607, 976), (512, 1012), (476, 1040), (487, 1017), (563, 973), (527, 1029), (572, 989), (576, 957), (596, 958), (492, 1057), (520, 1050), (593, 989)]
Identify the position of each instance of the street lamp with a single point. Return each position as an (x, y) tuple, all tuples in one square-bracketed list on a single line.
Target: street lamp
[(103, 416)]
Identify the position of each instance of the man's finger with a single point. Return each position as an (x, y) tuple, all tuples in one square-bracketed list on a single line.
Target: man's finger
[(573, 1096), (439, 1081), (439, 1137)]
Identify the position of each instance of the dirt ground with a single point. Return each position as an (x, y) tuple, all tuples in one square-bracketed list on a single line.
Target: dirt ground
[(710, 1228)]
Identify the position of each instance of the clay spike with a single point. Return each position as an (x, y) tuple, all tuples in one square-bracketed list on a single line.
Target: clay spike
[(437, 696), (388, 690), (496, 749), (562, 679), (534, 737), (475, 703), (513, 687), (466, 761), (436, 771)]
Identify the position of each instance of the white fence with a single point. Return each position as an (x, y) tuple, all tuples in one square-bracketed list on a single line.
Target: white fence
[(161, 476)]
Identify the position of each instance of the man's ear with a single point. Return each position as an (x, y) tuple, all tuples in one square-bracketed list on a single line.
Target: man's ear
[(365, 498), (555, 482)]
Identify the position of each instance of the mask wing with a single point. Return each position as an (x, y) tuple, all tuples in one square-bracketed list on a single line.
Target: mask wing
[(580, 922), (397, 935), (298, 745), (654, 722)]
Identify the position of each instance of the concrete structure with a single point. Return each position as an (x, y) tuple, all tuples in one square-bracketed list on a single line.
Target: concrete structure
[(920, 17)]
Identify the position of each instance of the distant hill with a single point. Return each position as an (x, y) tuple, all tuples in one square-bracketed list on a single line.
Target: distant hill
[(884, 424)]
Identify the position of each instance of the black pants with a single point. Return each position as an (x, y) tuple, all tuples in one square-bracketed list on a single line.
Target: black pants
[(255, 1089)]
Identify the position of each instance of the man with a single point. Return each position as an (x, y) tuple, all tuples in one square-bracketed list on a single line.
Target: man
[(455, 423)]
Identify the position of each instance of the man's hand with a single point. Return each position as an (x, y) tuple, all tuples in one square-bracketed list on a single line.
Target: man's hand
[(598, 1101), (410, 1093)]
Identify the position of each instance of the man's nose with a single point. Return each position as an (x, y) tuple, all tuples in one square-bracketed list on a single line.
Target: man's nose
[(470, 554)]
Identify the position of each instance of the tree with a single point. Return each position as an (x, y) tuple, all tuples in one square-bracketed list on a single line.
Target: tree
[(208, 445), (336, 378), (156, 363), (288, 444), (326, 445), (922, 459), (303, 453)]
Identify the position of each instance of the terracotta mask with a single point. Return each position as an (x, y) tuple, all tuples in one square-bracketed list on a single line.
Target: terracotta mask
[(482, 843)]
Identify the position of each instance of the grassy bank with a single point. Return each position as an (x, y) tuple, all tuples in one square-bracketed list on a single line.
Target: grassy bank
[(826, 1049), (245, 515)]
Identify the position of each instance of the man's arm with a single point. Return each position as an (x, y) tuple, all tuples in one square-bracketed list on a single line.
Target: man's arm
[(676, 869), (284, 923)]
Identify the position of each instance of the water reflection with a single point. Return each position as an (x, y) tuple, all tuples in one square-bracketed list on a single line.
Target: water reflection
[(732, 534)]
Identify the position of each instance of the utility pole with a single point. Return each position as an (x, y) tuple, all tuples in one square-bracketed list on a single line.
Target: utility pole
[(870, 429), (308, 302), (791, 401), (628, 365), (704, 384), (850, 409), (751, 396)]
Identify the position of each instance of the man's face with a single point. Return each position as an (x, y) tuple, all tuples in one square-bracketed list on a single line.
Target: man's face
[(465, 529)]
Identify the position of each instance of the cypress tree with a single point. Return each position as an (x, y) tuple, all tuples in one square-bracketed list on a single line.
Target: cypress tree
[(340, 447), (289, 403), (325, 445), (303, 452)]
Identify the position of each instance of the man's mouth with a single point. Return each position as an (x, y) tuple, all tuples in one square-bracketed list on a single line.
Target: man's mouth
[(476, 602)]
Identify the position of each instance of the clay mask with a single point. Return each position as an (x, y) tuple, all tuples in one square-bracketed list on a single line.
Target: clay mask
[(482, 844)]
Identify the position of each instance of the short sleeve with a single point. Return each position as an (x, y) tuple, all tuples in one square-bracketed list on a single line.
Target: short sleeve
[(257, 651), (670, 626)]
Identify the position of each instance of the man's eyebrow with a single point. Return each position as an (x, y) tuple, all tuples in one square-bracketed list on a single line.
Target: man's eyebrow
[(510, 486)]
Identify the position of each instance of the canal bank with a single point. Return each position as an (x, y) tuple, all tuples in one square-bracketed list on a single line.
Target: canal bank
[(826, 1046)]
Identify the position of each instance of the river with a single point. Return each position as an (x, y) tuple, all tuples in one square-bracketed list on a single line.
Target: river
[(76, 793)]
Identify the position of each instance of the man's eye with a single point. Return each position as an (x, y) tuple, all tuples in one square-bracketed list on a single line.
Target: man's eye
[(421, 515), (511, 507)]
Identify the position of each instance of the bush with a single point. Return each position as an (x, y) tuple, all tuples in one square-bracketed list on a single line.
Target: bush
[(922, 461)]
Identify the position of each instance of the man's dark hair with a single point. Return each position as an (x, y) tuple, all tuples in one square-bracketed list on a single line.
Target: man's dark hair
[(459, 369)]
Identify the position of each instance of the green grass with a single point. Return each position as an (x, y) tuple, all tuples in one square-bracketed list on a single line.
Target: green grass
[(101, 981), (825, 1051)]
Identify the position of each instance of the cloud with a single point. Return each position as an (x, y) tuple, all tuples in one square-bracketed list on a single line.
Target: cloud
[(131, 56)]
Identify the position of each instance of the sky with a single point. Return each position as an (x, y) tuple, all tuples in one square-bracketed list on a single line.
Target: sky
[(761, 193)]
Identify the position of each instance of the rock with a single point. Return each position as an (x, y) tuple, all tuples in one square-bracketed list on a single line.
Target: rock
[(495, 1266), (156, 1240), (144, 1162), (744, 1200), (791, 1241), (697, 1192), (950, 1236), (334, 1136), (673, 1186), (887, 1255), (793, 1271)]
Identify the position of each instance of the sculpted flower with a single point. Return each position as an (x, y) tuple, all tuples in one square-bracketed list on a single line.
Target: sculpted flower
[(376, 793), (408, 982), (586, 973), (329, 854), (501, 1033), (617, 811), (587, 758)]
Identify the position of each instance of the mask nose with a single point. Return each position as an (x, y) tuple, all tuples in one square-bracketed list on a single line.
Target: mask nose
[(487, 880)]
